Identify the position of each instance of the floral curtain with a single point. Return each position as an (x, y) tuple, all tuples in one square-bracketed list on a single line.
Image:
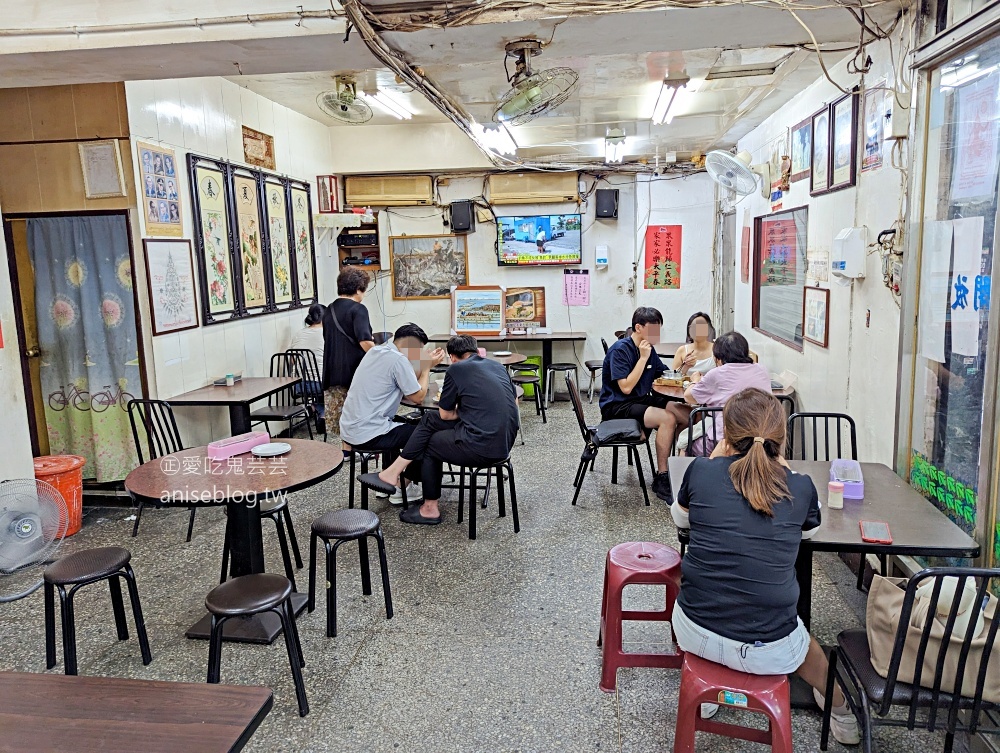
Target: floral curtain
[(87, 334)]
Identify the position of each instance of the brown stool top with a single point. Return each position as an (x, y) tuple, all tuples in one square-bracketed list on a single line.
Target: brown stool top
[(594, 364), (87, 565), (346, 524), (524, 379), (644, 556), (562, 367), (248, 594)]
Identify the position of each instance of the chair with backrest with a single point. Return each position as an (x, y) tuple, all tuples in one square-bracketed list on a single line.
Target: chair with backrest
[(162, 438), (710, 433), (949, 672), (310, 389), (618, 432), (282, 405)]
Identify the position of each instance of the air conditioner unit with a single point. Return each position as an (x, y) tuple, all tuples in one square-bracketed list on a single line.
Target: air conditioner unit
[(388, 190), (534, 188)]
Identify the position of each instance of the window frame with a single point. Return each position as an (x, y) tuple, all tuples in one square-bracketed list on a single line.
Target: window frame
[(758, 223)]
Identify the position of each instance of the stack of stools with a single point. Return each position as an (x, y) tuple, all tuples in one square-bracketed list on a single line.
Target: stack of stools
[(635, 562), (504, 472), (76, 571), (527, 373), (703, 681), (248, 595), (550, 387), (340, 526)]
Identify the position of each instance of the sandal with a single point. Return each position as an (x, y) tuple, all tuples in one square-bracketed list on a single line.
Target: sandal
[(412, 515), (372, 481)]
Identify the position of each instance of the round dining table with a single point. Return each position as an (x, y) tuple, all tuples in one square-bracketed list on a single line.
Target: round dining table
[(190, 478)]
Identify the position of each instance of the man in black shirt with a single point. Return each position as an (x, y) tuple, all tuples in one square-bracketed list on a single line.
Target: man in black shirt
[(347, 336), (476, 425)]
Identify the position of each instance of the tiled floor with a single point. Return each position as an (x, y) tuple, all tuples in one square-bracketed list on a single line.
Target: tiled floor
[(492, 647)]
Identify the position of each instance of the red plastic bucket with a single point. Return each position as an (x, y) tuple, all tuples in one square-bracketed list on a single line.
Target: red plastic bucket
[(65, 473)]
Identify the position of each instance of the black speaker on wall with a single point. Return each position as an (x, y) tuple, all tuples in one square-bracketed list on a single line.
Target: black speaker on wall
[(463, 218), (607, 203)]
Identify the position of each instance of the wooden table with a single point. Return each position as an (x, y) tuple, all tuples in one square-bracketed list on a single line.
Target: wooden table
[(677, 393), (917, 527), (186, 478), (430, 401), (46, 712), (545, 339), (238, 397)]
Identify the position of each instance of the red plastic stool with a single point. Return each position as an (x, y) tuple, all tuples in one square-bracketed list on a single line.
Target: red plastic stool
[(636, 562), (703, 681)]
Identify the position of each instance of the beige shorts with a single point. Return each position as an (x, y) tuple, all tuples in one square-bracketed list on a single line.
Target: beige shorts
[(333, 401)]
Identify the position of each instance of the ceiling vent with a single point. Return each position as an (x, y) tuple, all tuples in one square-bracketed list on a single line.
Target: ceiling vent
[(388, 190), (740, 71)]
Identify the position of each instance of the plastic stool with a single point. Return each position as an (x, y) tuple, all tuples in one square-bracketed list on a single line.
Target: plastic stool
[(635, 562), (703, 681)]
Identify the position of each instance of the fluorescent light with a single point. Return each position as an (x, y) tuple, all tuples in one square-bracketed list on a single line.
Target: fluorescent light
[(389, 105), (964, 74), (668, 91), (496, 139), (614, 146)]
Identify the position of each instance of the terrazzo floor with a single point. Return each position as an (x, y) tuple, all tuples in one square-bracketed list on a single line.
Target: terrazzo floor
[(492, 646)]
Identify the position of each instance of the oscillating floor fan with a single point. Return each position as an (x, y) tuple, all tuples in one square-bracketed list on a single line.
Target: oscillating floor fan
[(33, 522)]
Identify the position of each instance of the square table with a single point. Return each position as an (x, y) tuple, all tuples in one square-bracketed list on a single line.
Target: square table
[(47, 712), (238, 398), (546, 339)]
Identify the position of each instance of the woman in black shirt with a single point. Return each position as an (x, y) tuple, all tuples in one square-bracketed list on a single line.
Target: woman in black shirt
[(747, 513)]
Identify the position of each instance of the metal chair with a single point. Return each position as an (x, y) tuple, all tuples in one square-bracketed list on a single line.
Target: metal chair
[(954, 704), (710, 432), (828, 443), (162, 438), (282, 406), (619, 432), (310, 389)]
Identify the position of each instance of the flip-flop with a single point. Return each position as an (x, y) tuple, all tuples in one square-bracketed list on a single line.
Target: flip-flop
[(372, 481), (412, 515)]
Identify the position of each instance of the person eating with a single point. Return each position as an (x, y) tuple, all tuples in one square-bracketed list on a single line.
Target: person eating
[(695, 356)]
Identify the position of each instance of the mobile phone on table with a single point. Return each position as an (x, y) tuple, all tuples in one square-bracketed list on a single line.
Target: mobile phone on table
[(875, 532)]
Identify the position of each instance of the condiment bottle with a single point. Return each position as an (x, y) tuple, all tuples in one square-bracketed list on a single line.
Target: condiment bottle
[(835, 498)]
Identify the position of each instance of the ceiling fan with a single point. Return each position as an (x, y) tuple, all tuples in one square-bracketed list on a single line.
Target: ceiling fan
[(344, 104), (531, 93), (736, 172)]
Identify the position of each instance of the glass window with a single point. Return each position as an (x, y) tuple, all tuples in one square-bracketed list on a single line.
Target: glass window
[(780, 274), (960, 207)]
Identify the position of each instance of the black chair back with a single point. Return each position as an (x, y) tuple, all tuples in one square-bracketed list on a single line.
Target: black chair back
[(311, 387), (157, 421), (574, 396), (285, 365), (381, 338), (710, 430), (620, 333), (604, 344), (983, 578), (828, 442)]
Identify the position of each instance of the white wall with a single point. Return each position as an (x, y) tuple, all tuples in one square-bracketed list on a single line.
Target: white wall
[(404, 148), (689, 202), (856, 374), (205, 116)]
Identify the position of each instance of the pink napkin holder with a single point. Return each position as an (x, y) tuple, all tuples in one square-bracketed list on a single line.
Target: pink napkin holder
[(226, 448)]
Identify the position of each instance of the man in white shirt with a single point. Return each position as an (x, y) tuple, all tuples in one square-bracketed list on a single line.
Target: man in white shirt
[(540, 240), (386, 375)]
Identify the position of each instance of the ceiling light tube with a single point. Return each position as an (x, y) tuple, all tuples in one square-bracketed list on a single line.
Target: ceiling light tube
[(496, 139), (389, 106), (668, 91), (614, 146)]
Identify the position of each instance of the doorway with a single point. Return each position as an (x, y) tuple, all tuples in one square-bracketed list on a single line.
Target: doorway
[(79, 335), (725, 277)]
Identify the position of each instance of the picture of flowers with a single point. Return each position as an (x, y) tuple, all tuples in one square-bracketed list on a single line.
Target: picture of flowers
[(304, 258), (278, 242), (250, 246), (212, 230)]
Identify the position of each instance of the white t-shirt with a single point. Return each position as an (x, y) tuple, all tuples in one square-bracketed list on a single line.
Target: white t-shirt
[(384, 377), (541, 236), (309, 338)]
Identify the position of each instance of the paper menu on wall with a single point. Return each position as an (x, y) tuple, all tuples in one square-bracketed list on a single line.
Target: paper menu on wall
[(934, 289), (966, 285), (576, 287)]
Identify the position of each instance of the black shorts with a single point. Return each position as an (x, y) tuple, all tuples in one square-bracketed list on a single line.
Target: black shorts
[(634, 408)]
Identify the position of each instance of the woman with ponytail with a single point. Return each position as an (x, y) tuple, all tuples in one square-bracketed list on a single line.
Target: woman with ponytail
[(747, 513)]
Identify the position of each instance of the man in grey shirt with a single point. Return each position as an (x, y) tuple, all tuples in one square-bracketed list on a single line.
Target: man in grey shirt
[(386, 375)]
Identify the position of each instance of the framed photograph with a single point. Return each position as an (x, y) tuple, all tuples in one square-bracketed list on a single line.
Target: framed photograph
[(258, 148), (525, 307), (170, 277), (160, 193), (249, 239), (801, 150), (101, 162), (276, 209), (477, 309), (427, 266), (816, 316), (304, 256), (819, 181), (213, 226), (327, 194), (843, 142), (877, 109)]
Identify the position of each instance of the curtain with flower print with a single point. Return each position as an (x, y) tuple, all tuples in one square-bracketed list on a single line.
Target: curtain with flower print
[(87, 335)]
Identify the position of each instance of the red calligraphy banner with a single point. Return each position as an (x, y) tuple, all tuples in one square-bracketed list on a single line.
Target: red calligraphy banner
[(778, 253), (662, 269)]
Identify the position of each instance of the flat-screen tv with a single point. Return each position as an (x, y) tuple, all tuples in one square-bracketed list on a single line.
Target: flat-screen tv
[(544, 239)]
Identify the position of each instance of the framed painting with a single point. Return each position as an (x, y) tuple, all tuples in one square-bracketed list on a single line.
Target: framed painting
[(327, 194), (819, 181), (276, 209), (160, 183), (427, 266), (101, 162), (170, 277), (212, 223), (304, 256), (525, 307), (258, 148), (843, 142), (801, 150), (477, 309), (249, 239), (816, 316)]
